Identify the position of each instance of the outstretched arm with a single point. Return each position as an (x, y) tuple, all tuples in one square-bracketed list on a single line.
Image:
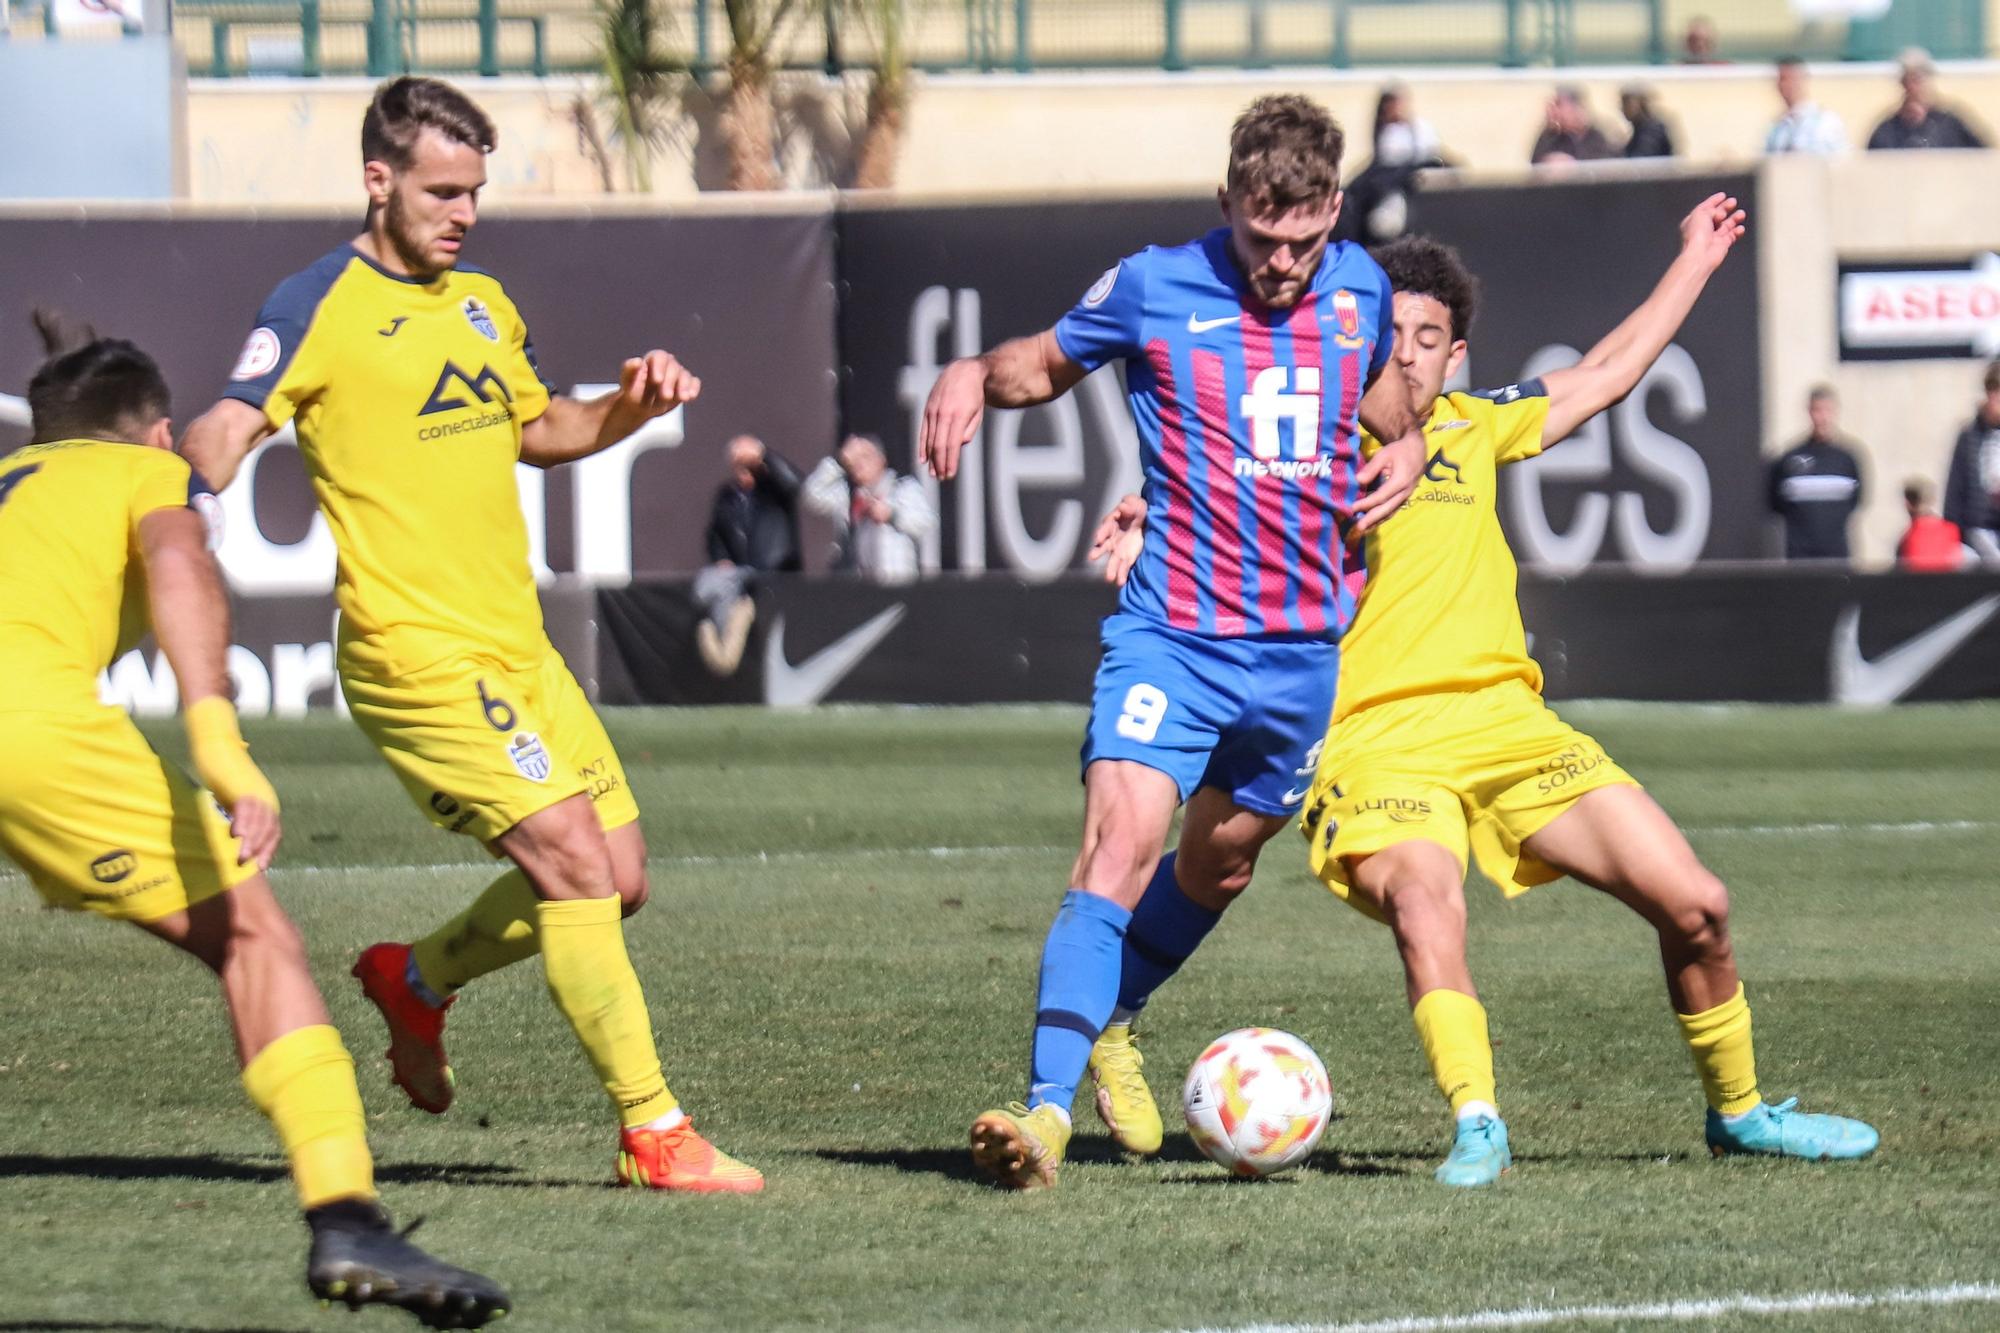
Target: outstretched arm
[(648, 386), (1610, 370), (1018, 373)]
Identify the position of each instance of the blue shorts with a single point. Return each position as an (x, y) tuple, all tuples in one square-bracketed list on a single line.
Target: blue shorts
[(1247, 716)]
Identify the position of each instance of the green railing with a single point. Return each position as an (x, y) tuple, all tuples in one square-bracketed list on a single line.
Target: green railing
[(232, 38)]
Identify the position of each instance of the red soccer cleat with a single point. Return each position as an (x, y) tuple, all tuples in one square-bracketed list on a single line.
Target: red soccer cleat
[(416, 1030), (680, 1159)]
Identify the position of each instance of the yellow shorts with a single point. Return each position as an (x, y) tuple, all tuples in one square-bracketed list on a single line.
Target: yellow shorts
[(1486, 770), (480, 747), (102, 824)]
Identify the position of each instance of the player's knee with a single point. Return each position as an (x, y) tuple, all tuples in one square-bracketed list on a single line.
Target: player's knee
[(633, 885), (1422, 908), (260, 929), (577, 861), (1700, 921)]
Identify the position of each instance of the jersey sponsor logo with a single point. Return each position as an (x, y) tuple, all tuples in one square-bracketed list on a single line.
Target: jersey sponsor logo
[(1272, 400), (259, 355), (395, 326), (113, 866), (1891, 675), (1438, 465), (1285, 469), (481, 321), (530, 756), (1196, 324), (485, 387), (1102, 287)]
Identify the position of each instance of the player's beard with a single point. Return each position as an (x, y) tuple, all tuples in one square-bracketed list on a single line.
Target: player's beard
[(407, 242)]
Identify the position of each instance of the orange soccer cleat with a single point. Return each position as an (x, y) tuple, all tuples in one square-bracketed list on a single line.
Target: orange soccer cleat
[(680, 1159), (416, 1029)]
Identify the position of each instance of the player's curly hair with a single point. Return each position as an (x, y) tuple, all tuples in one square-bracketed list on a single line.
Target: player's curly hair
[(92, 388), (1424, 267), (404, 108), (1284, 152)]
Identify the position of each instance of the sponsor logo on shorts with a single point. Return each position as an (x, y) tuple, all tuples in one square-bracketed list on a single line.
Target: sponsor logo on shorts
[(1568, 767), (112, 867), (598, 779), (1401, 809), (448, 808), (530, 756)]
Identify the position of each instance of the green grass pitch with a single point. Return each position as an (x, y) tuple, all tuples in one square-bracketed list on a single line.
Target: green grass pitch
[(840, 957)]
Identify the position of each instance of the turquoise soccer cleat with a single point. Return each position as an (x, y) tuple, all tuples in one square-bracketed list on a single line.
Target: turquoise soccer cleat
[(1478, 1155), (1782, 1131)]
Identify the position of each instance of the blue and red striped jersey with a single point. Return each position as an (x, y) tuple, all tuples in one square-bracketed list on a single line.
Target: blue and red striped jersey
[(1247, 432)]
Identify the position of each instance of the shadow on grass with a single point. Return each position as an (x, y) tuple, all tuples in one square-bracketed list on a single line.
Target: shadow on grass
[(126, 1326), (211, 1167), (951, 1163)]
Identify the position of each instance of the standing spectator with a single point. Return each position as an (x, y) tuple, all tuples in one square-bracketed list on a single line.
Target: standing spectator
[(880, 516), (1650, 136), (1377, 207), (1699, 45), (1920, 122), (753, 528), (1972, 488), (1930, 545), (1806, 126), (1568, 133), (1816, 485)]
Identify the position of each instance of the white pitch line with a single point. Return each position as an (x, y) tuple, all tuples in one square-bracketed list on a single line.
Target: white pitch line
[(1684, 1311), (1902, 826)]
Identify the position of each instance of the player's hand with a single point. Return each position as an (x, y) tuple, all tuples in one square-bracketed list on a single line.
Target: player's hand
[(1119, 539), (257, 827), (951, 416), (1707, 234), (654, 385), (1393, 473)]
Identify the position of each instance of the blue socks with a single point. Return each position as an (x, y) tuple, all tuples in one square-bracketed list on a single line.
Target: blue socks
[(1079, 986), (1166, 928)]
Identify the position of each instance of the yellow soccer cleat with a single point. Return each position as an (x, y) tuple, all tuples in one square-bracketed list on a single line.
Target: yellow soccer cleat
[(1124, 1102), (680, 1159), (1020, 1149)]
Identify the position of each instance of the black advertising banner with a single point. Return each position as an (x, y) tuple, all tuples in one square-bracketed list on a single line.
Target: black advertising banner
[(1774, 634), (746, 301), (921, 286), (1671, 475)]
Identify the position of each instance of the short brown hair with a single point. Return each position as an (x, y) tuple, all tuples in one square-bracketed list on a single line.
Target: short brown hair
[(1284, 152), (404, 108)]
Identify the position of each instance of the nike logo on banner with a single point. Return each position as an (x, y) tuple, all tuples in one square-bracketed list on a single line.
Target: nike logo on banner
[(801, 686), (1199, 325), (1856, 680)]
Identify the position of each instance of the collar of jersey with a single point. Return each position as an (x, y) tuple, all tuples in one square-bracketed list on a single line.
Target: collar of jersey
[(437, 281)]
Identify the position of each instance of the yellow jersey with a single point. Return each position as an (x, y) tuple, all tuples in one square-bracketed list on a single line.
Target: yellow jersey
[(72, 586), (1439, 612), (409, 399)]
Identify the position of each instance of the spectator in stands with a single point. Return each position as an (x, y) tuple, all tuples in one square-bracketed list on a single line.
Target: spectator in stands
[(1806, 126), (1650, 136), (1699, 45), (1569, 134), (1920, 122), (880, 516), (1816, 485), (1930, 545), (1377, 204), (753, 528), (1972, 488)]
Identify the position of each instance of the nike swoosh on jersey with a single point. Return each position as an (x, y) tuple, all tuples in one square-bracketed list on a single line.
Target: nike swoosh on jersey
[(1856, 680), (788, 686), (1196, 324)]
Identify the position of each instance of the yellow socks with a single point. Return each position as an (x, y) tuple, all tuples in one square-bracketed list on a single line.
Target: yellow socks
[(1453, 1028), (591, 978), (1720, 1041), (304, 1082), (496, 930)]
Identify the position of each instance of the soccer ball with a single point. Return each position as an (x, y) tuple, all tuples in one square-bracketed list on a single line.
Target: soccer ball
[(1257, 1101)]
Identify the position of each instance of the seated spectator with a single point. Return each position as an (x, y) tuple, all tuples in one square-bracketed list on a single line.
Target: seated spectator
[(1930, 545), (753, 528), (880, 516), (1972, 487), (1816, 485), (1377, 204), (1650, 136), (1920, 122), (1568, 133), (1700, 45), (1806, 126)]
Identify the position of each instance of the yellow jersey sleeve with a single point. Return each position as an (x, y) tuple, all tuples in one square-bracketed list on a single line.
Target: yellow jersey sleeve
[(1515, 416), (281, 367), (161, 480), (523, 369)]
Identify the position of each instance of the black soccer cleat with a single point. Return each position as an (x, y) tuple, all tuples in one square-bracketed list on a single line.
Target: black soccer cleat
[(359, 1258)]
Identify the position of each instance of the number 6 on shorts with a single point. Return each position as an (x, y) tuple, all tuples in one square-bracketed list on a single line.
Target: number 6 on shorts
[(1145, 709)]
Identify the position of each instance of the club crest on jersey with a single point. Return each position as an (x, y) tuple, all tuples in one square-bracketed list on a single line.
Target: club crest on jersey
[(1347, 318), (530, 756), (481, 322)]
